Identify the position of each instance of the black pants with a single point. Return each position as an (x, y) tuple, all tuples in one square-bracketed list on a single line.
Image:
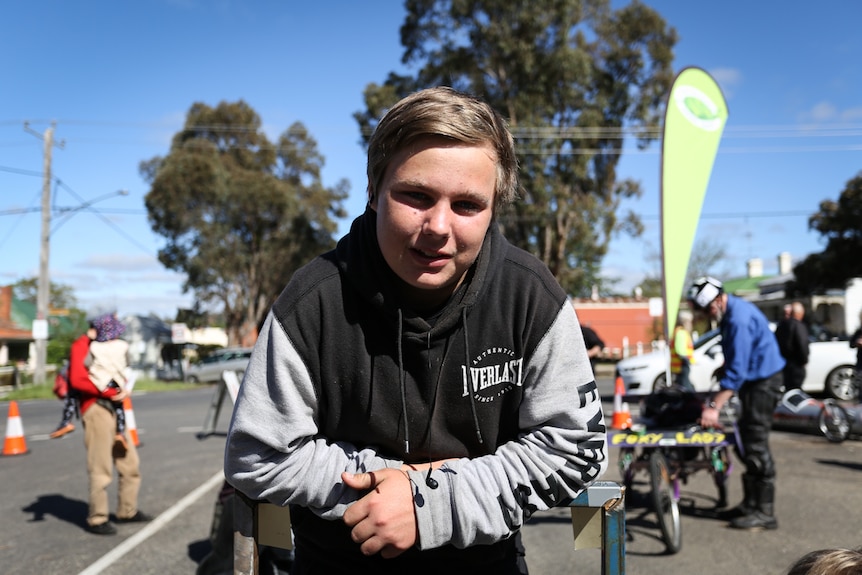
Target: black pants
[(758, 400), (794, 376), (443, 561)]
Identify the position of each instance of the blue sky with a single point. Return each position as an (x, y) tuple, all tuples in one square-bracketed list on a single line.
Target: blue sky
[(118, 79)]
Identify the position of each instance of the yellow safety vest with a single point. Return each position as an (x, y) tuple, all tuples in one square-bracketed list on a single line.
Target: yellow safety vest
[(682, 347)]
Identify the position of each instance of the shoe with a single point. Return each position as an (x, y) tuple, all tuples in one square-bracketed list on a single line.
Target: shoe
[(755, 521), (102, 529), (62, 430), (138, 517), (740, 510)]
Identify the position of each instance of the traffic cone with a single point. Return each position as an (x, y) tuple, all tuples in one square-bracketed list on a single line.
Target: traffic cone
[(622, 418), (15, 443), (131, 426)]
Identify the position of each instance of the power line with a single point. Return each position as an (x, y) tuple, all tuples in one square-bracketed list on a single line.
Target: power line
[(98, 214), (837, 129), (20, 171), (742, 215)]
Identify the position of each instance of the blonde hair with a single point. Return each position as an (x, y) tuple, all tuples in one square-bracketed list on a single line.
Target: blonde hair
[(828, 562), (446, 113)]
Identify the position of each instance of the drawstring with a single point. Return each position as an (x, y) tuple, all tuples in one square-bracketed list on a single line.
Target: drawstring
[(403, 382), (403, 387), (469, 382)]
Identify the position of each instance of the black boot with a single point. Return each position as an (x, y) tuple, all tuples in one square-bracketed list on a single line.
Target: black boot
[(749, 499), (763, 517)]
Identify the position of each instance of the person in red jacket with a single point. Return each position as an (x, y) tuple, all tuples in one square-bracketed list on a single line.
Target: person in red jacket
[(97, 415)]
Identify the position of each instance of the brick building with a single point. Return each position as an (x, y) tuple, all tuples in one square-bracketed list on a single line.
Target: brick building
[(623, 323), (12, 334)]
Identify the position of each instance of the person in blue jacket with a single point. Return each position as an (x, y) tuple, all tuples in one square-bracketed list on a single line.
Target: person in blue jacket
[(752, 369)]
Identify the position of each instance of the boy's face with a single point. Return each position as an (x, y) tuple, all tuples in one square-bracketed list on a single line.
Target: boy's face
[(434, 206)]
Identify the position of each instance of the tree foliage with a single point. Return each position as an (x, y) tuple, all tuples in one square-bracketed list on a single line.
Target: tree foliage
[(840, 224), (65, 319), (572, 77), (239, 214), (60, 296)]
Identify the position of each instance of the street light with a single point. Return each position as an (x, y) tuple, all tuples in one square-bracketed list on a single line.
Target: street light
[(66, 213), (40, 324)]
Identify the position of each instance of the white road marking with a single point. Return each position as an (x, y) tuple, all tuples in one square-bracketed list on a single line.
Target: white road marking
[(153, 526)]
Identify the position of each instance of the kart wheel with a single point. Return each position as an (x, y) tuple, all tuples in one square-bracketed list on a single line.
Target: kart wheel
[(834, 422), (664, 502), (660, 383)]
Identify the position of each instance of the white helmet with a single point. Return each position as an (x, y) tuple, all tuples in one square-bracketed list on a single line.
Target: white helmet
[(703, 290)]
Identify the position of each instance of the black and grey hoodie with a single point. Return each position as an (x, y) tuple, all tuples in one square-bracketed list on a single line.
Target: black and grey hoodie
[(346, 378)]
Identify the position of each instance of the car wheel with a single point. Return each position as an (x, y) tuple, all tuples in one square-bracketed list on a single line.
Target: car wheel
[(660, 383), (192, 379), (839, 383)]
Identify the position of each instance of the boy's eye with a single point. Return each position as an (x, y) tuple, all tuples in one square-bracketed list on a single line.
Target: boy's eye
[(412, 196), (468, 206)]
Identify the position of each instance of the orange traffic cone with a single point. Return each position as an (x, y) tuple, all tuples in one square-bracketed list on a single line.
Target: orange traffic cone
[(622, 418), (131, 425), (15, 443)]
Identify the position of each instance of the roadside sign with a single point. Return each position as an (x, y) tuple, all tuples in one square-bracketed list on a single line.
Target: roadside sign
[(178, 333), (656, 307), (40, 329)]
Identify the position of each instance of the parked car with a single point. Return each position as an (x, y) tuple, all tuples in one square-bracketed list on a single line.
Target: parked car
[(829, 369), (210, 368)]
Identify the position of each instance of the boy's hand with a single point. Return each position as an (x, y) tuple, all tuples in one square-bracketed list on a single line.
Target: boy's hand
[(383, 520)]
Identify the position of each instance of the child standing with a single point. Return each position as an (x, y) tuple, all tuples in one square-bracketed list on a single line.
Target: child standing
[(107, 361)]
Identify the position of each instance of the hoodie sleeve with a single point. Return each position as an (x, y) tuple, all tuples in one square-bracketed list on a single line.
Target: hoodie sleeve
[(561, 450), (274, 450)]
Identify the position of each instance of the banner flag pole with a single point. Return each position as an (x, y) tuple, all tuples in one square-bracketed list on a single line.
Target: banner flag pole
[(695, 116)]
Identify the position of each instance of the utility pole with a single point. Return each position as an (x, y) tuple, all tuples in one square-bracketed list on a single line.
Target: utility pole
[(40, 324)]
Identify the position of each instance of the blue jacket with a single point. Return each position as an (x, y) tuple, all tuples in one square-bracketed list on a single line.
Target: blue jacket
[(750, 348)]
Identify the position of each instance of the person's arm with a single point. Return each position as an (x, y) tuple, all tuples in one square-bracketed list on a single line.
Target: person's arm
[(802, 342), (274, 449), (737, 345), (561, 450), (709, 416)]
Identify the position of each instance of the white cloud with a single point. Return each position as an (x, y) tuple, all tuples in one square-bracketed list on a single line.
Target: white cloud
[(728, 78), (120, 262), (828, 112), (823, 111), (852, 114)]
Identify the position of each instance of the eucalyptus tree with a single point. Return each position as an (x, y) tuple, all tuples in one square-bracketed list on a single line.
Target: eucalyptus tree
[(575, 79), (840, 224), (239, 214)]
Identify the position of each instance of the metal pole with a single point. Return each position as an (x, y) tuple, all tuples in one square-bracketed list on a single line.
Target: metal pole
[(43, 290)]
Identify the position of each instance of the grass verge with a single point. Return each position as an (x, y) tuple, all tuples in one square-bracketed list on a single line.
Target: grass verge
[(46, 391)]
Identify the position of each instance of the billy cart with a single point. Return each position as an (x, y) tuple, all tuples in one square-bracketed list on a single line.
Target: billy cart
[(669, 454)]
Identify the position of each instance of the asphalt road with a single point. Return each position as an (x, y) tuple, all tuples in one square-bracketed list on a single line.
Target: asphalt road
[(43, 508)]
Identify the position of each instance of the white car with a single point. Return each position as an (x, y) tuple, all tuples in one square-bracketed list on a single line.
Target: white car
[(829, 369), (210, 368)]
